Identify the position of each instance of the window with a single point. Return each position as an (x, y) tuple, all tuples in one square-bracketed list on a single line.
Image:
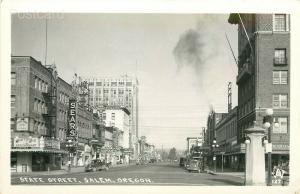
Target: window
[(128, 83), (104, 116), (98, 91), (39, 107), (121, 92), (280, 57), (13, 78), (98, 83), (279, 77), (113, 83), (91, 83), (283, 123), (40, 84), (36, 82), (13, 101), (46, 87), (12, 124), (35, 105), (280, 22), (280, 101), (113, 116)]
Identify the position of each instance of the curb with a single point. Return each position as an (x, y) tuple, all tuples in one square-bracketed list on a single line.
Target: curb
[(211, 172)]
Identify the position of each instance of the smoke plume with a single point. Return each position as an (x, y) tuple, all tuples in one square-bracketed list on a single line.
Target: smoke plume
[(189, 50)]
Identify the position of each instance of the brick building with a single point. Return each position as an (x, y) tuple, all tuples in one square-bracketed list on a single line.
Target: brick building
[(39, 118), (34, 143), (230, 152), (263, 76)]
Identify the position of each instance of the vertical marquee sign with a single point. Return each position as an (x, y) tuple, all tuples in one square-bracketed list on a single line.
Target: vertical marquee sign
[(72, 130)]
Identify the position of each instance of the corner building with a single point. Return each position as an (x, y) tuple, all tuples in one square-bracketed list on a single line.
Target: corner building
[(34, 146), (263, 77)]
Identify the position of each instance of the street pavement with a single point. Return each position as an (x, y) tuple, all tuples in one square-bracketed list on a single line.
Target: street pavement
[(150, 174)]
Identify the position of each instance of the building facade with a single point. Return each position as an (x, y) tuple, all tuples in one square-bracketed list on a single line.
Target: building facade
[(120, 91), (118, 117), (231, 154), (263, 76), (34, 144)]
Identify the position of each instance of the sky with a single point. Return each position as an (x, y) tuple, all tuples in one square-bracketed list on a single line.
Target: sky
[(182, 61)]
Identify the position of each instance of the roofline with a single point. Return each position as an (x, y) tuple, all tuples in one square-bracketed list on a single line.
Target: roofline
[(39, 62)]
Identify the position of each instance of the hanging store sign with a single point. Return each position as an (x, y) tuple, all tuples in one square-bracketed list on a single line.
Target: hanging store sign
[(26, 142), (52, 144), (72, 129), (22, 124)]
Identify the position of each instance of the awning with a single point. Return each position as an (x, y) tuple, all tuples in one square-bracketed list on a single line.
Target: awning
[(40, 150)]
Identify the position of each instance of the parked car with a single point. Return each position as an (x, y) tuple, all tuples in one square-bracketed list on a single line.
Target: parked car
[(152, 160), (96, 164), (182, 162), (193, 165)]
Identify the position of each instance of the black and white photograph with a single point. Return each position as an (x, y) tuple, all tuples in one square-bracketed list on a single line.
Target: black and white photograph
[(150, 99)]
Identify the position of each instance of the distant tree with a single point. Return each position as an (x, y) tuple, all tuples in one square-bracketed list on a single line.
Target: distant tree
[(172, 154)]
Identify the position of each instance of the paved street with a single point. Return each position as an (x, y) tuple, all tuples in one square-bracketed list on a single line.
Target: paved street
[(151, 174)]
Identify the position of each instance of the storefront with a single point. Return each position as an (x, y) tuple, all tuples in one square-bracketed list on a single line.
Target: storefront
[(35, 154)]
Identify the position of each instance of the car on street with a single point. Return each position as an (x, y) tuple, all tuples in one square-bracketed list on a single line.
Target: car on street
[(193, 166), (96, 165), (182, 161)]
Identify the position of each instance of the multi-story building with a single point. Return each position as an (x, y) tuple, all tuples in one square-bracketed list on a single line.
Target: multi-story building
[(230, 152), (39, 118), (85, 135), (118, 117), (34, 143), (210, 134), (121, 91), (98, 135), (212, 120), (64, 93), (264, 76)]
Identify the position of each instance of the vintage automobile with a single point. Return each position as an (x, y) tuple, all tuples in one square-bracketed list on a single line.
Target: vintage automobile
[(182, 162), (193, 166), (95, 165)]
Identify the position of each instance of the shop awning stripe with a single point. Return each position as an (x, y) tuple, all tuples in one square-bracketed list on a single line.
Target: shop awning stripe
[(39, 150)]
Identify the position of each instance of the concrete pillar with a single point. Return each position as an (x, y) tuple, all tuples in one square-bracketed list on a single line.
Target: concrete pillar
[(255, 157)]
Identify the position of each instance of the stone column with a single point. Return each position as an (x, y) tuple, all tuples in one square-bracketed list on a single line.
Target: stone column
[(255, 157)]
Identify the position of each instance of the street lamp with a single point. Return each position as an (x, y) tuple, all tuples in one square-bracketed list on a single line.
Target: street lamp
[(267, 123), (69, 146), (214, 145)]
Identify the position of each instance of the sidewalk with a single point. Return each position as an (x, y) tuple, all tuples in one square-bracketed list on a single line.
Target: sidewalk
[(64, 170), (227, 171)]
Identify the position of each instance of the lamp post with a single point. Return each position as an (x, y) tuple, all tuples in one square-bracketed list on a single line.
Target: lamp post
[(268, 124), (214, 145), (69, 146)]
